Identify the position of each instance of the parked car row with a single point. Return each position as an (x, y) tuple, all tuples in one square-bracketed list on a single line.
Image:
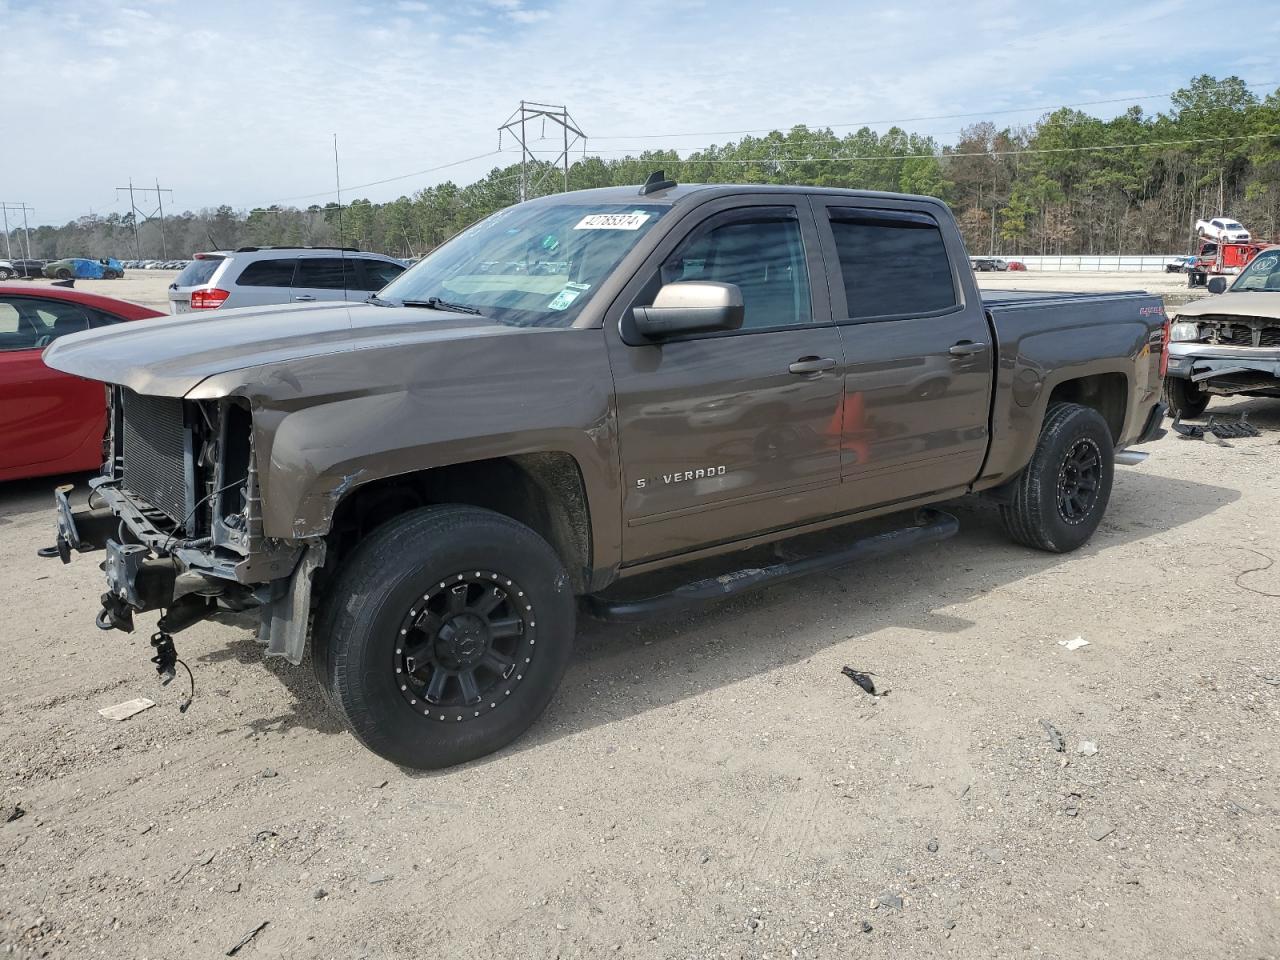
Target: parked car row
[(155, 264)]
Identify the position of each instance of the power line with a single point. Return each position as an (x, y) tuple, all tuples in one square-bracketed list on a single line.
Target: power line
[(517, 124), (941, 116), (159, 192), (403, 176), (5, 207), (978, 153)]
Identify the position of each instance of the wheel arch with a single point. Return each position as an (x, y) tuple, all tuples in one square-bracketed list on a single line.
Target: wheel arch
[(544, 490)]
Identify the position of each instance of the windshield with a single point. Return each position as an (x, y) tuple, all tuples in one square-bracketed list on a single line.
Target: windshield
[(528, 265), (1232, 225), (1262, 274)]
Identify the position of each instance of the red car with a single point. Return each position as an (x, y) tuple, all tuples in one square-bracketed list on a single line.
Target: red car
[(50, 422)]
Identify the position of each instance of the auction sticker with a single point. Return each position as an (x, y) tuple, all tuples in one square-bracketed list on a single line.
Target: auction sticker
[(612, 221)]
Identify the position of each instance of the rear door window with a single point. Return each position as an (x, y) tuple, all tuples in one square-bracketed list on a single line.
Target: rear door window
[(893, 263), (377, 273), (326, 273), (198, 272), (268, 273)]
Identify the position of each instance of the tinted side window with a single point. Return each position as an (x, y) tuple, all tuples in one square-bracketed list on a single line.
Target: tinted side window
[(326, 273), (17, 331), (267, 273), (378, 273), (893, 264), (764, 258), (28, 324)]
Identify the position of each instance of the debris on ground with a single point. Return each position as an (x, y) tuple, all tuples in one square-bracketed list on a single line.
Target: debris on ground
[(932, 846), (247, 937), (123, 711), (1102, 829), (890, 900), (268, 773), (861, 679), (1087, 747), (866, 926), (1055, 738), (380, 878), (1075, 644), (14, 813), (1217, 428)]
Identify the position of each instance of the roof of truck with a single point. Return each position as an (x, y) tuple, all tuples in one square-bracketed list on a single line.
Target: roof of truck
[(670, 195)]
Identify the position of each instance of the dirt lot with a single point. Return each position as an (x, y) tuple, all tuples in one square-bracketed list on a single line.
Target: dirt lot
[(709, 786)]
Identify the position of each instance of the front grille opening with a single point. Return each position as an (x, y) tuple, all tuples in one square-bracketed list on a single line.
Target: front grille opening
[(235, 458)]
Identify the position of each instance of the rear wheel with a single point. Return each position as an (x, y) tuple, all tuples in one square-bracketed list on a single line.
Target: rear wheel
[(445, 634), (63, 274), (1185, 399), (1059, 499)]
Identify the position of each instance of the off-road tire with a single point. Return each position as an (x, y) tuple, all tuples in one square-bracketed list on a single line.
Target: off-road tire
[(1184, 398), (1034, 516), (357, 632)]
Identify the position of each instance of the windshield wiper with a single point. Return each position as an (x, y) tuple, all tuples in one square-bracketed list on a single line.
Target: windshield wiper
[(435, 303)]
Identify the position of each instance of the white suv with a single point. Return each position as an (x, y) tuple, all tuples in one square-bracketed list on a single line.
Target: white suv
[(252, 276)]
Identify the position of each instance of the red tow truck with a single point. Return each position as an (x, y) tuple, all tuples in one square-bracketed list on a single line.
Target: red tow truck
[(1218, 258)]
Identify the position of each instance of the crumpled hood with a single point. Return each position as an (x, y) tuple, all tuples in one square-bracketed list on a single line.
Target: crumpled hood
[(1252, 303), (171, 356)]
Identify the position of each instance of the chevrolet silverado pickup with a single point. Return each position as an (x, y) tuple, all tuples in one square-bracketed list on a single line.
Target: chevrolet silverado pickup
[(1228, 343), (423, 490)]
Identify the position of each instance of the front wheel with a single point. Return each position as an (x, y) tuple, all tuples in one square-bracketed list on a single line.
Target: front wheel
[(1185, 399), (5, 274), (445, 635), (1059, 499)]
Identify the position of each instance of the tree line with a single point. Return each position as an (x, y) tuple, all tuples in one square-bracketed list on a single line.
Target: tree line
[(1069, 183)]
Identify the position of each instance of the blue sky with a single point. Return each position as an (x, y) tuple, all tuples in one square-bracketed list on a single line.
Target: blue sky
[(238, 102)]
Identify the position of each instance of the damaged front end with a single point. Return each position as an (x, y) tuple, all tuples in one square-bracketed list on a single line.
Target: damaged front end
[(177, 510), (1227, 354)]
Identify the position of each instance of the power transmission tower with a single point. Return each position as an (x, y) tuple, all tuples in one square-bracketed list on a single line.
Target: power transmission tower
[(517, 126), (159, 211), (5, 207)]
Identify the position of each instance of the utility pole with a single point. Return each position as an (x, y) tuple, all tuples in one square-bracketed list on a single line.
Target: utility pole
[(158, 191), (516, 125), (5, 207)]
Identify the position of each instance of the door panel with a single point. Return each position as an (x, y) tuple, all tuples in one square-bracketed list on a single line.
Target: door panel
[(720, 439), (45, 415), (918, 359)]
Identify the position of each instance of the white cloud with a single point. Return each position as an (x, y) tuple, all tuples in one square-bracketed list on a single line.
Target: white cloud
[(240, 105)]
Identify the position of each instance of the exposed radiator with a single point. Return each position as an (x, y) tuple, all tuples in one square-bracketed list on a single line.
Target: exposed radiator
[(157, 457)]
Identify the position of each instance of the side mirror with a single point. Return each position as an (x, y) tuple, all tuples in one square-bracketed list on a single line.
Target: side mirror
[(1217, 285), (695, 306)]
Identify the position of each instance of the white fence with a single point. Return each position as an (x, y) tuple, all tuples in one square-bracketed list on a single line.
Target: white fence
[(1138, 263)]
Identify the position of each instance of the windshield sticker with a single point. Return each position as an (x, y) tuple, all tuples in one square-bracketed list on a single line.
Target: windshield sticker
[(570, 293), (612, 221)]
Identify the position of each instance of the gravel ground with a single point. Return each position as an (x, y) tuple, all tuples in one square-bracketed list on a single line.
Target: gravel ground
[(707, 786)]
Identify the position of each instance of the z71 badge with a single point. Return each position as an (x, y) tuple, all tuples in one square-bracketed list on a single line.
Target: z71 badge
[(699, 474)]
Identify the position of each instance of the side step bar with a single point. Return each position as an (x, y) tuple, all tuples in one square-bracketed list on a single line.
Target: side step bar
[(933, 527)]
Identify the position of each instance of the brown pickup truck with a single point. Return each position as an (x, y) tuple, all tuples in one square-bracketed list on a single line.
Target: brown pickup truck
[(575, 391)]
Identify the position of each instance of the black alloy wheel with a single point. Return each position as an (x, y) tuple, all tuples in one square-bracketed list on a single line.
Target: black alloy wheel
[(464, 646), (1078, 480)]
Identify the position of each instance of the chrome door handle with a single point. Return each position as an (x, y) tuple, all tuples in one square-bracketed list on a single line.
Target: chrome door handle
[(304, 297), (966, 348), (812, 365)]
